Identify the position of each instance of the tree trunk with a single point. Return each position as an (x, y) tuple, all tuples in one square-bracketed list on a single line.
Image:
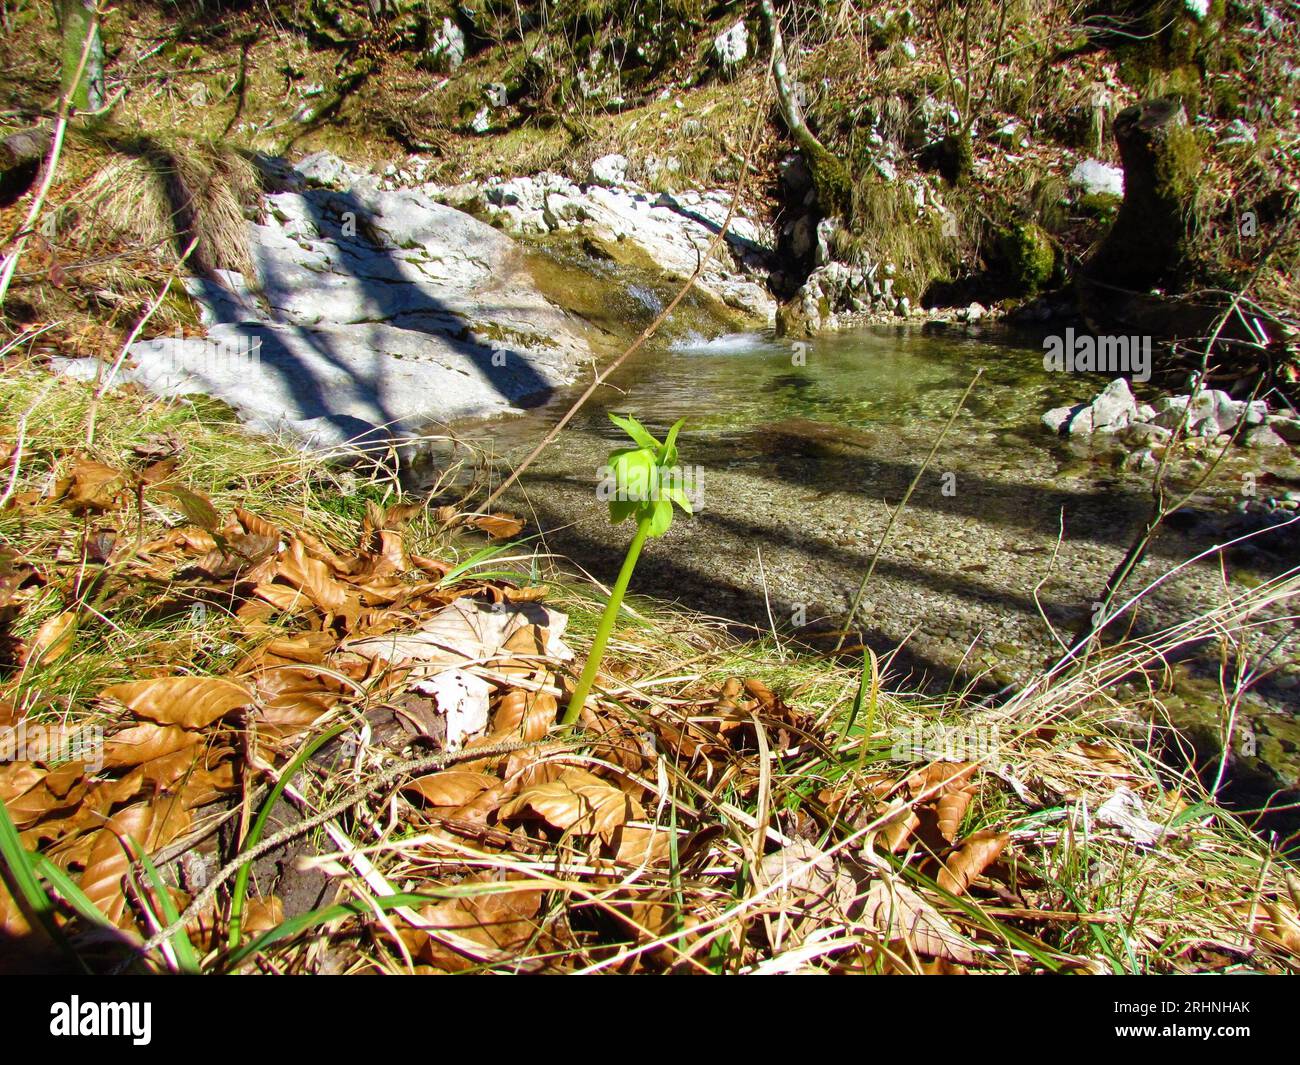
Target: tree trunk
[(78, 24), (1148, 241), (830, 176)]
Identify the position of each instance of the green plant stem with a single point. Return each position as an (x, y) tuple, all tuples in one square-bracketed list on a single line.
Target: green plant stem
[(606, 626)]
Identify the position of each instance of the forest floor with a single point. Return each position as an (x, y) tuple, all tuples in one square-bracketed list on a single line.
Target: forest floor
[(211, 640)]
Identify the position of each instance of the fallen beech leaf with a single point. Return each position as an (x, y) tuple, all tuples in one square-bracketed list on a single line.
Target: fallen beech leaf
[(311, 577), (498, 920), (642, 846), (814, 883), (898, 829), (761, 692), (151, 826), (467, 631), (899, 913), (91, 486), (53, 639), (191, 702), (977, 853), (263, 914), (145, 742), (196, 507), (451, 787), (577, 801), (524, 715), (951, 809), (254, 525), (499, 526)]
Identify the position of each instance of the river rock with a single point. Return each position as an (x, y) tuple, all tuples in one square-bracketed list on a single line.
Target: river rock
[(1094, 178), (731, 46), (664, 232), (1111, 411), (374, 313), (609, 170), (1285, 426), (447, 48), (1262, 437)]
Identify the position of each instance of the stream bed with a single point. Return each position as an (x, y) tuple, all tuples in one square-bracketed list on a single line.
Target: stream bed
[(803, 450)]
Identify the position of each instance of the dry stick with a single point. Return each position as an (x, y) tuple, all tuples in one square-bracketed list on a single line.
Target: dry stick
[(603, 375), (388, 777), (880, 546), (51, 164)]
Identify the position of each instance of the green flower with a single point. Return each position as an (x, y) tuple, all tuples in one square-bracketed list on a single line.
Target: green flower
[(647, 477)]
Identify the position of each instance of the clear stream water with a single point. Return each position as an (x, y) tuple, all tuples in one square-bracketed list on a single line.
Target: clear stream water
[(804, 452)]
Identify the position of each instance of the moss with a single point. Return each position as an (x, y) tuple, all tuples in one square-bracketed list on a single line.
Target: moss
[(1178, 167), (831, 179), (1030, 255), (1100, 204)]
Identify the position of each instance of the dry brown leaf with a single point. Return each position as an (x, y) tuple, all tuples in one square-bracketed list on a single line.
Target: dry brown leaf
[(903, 821), (451, 787), (899, 913), (499, 526), (311, 577), (191, 702), (92, 486), (977, 852), (578, 801), (255, 526), (951, 809), (500, 921), (466, 631), (637, 845), (524, 715), (53, 639), (150, 826), (145, 742), (263, 914)]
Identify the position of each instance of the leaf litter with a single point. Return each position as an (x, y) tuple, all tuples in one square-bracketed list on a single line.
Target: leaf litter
[(713, 824)]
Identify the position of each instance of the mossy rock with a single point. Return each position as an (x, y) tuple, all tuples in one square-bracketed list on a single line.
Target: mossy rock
[(1030, 256)]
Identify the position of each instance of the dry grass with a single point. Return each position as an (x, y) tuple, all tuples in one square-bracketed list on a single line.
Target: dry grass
[(725, 807)]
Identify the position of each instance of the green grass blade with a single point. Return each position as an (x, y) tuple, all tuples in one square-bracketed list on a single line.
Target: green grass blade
[(240, 891), (186, 957)]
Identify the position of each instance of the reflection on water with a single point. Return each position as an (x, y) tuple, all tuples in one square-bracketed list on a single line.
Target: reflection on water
[(738, 383)]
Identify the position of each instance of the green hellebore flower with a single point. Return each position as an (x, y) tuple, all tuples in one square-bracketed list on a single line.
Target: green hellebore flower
[(646, 477)]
